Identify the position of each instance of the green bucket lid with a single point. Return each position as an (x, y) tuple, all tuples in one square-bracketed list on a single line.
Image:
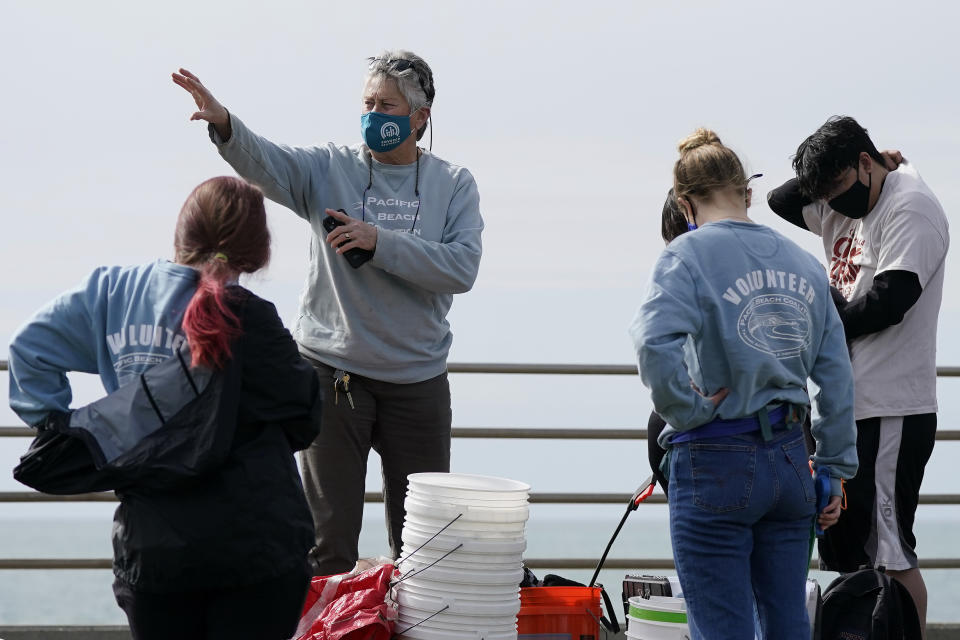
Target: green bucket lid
[(676, 617)]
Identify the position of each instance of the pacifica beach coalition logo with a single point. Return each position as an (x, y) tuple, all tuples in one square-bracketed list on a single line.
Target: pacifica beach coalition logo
[(390, 132), (775, 324)]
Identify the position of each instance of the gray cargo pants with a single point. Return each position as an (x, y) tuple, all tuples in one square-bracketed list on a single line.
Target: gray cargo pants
[(408, 425)]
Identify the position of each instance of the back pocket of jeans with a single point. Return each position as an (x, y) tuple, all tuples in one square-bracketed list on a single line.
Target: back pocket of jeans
[(722, 476)]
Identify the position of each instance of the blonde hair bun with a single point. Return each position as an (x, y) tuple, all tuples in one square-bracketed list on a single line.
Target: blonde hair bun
[(699, 138)]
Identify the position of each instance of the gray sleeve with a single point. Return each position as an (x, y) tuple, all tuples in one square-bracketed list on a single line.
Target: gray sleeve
[(448, 266), (287, 175)]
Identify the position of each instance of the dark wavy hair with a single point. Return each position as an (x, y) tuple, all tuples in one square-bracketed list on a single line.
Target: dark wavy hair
[(828, 152), (672, 221), (221, 231)]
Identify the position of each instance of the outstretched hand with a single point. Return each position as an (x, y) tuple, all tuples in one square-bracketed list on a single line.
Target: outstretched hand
[(209, 107)]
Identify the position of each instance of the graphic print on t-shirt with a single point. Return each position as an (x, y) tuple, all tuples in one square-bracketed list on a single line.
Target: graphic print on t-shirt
[(845, 261)]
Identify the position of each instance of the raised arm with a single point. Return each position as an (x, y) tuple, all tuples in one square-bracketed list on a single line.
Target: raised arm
[(285, 174), (788, 201)]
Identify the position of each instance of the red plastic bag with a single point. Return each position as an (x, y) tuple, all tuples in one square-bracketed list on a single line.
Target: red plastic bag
[(349, 606)]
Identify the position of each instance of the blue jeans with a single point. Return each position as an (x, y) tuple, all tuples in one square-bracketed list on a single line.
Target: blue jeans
[(741, 512)]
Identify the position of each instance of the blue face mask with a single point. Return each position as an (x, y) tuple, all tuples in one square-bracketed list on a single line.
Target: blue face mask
[(383, 132)]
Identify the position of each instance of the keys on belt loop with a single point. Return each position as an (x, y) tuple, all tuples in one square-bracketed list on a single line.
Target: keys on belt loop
[(341, 381)]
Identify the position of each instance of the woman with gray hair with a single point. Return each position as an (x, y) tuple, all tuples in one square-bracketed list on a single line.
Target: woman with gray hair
[(396, 232)]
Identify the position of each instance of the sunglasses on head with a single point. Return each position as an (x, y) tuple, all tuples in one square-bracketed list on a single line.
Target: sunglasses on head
[(402, 64)]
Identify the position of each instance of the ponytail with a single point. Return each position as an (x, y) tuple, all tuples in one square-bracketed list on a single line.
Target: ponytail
[(221, 232), (208, 322)]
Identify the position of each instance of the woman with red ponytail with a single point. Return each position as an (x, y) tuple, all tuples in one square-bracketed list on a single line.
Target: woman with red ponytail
[(224, 556), (221, 233)]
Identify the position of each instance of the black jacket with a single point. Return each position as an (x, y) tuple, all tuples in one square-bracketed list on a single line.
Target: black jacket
[(247, 521)]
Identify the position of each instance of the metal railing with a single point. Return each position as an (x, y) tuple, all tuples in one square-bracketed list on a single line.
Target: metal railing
[(484, 433)]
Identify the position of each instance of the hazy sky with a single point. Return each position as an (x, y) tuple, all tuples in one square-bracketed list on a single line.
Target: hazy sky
[(567, 114)]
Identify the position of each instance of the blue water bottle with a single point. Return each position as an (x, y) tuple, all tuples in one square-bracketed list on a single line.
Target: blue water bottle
[(821, 481)]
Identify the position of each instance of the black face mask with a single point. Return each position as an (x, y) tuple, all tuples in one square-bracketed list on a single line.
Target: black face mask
[(855, 201)]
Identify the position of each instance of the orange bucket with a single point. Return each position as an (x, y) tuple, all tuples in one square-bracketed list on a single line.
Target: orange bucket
[(570, 612)]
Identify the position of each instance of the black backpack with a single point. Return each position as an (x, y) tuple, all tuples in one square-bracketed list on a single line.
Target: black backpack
[(868, 605)]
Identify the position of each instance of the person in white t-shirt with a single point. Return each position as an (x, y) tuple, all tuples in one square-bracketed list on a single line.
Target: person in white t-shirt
[(886, 238)]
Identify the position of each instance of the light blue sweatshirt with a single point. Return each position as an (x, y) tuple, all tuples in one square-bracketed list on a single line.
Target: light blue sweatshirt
[(386, 320), (736, 305), (119, 322)]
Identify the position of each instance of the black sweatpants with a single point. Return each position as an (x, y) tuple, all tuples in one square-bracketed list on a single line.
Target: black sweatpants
[(408, 425), (876, 527), (267, 610)]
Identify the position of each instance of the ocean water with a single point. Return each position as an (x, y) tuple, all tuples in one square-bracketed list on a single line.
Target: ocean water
[(85, 596)]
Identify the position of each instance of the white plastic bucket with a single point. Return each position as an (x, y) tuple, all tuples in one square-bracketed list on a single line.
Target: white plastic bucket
[(454, 621), (441, 591), (657, 618), (468, 544), (460, 526), (470, 502), (433, 525), (465, 482), (437, 573), (421, 581), (506, 625), (458, 605), (425, 633), (427, 554), (483, 550), (479, 498), (470, 513), (418, 561)]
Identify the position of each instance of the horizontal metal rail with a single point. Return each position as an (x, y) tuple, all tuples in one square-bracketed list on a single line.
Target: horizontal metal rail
[(508, 433), (373, 496), (586, 369), (567, 369), (533, 563)]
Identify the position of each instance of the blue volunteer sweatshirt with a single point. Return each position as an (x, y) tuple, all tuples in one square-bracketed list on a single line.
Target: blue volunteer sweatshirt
[(736, 305), (119, 322)]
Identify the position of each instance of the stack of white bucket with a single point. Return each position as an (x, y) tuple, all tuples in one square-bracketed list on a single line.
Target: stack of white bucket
[(462, 561)]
